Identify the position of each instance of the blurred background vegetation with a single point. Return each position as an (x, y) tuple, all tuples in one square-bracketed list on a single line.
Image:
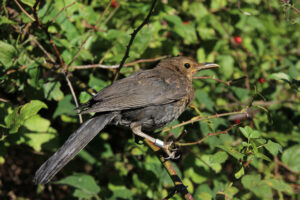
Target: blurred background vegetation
[(256, 43)]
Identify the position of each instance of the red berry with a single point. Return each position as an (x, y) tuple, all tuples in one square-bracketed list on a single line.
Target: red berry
[(237, 121), (186, 22), (180, 54), (261, 80), (164, 23), (238, 39), (114, 4)]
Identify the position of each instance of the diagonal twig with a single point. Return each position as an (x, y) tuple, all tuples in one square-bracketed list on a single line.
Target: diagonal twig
[(133, 34), (24, 11), (179, 186)]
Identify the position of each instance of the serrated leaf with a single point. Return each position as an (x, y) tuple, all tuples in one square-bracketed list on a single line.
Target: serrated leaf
[(5, 20), (21, 114), (86, 185), (279, 185), (52, 91), (291, 157), (65, 106), (273, 148), (28, 2), (7, 54), (232, 151), (280, 76), (219, 157)]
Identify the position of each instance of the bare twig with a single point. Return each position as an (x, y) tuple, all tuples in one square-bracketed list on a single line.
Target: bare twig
[(74, 95), (179, 186), (64, 8), (40, 24), (77, 53), (24, 11), (116, 66), (242, 63), (204, 138), (288, 3), (42, 48), (63, 65), (133, 34), (200, 118), (103, 13)]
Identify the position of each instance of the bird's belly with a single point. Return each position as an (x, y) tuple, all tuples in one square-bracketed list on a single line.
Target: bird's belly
[(151, 117)]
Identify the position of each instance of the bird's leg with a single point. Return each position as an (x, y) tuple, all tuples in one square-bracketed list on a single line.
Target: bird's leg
[(137, 129)]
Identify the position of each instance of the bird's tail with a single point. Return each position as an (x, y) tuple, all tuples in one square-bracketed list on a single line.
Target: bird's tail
[(77, 141)]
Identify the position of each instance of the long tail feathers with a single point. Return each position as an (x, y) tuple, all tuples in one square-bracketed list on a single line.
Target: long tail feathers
[(77, 141)]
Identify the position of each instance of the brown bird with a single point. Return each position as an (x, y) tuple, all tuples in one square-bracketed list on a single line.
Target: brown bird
[(144, 101)]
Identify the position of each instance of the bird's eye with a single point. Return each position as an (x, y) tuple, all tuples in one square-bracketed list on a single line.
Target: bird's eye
[(187, 65)]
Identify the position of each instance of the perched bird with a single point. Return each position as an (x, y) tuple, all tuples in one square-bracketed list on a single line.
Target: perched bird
[(143, 101)]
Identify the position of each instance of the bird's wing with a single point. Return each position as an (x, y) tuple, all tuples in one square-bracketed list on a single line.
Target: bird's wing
[(141, 89)]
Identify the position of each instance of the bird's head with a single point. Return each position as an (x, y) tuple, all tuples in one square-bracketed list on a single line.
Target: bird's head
[(185, 65)]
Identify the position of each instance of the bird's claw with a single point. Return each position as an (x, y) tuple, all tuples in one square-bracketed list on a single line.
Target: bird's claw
[(171, 149)]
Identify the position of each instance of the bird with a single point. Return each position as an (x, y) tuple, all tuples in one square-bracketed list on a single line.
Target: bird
[(144, 101)]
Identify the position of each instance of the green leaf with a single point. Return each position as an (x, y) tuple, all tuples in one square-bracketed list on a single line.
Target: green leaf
[(37, 123), (120, 192), (219, 157), (52, 91), (240, 173), (291, 157), (96, 84), (279, 185), (280, 76), (7, 54), (86, 186), (204, 196), (36, 140), (65, 106), (202, 97), (227, 63), (5, 20), (249, 133), (21, 114), (273, 147), (28, 2), (232, 151), (258, 187)]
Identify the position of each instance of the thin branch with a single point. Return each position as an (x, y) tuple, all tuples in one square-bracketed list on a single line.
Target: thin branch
[(74, 96), (243, 65), (287, 167), (133, 34), (179, 186), (208, 135), (101, 16), (42, 48), (64, 67), (77, 53), (294, 8), (199, 118), (64, 8), (24, 11), (116, 66), (40, 24)]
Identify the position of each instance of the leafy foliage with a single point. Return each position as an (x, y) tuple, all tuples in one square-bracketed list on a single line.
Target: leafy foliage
[(256, 43)]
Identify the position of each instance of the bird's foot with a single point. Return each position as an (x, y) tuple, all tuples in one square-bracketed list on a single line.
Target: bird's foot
[(171, 150)]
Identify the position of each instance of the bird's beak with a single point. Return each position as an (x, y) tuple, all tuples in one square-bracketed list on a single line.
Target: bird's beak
[(204, 66)]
